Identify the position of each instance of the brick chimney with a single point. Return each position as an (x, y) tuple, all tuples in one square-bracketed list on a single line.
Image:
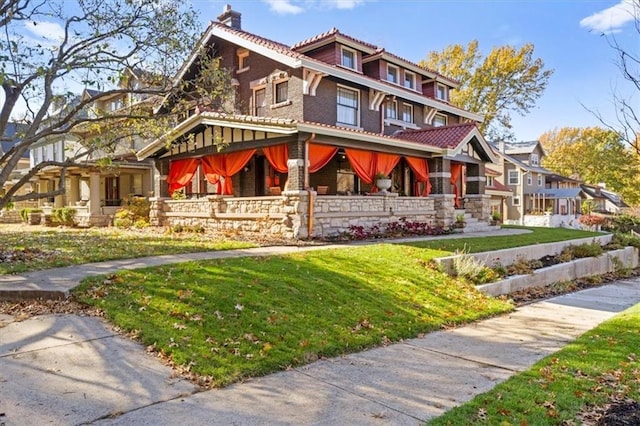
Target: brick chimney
[(230, 18)]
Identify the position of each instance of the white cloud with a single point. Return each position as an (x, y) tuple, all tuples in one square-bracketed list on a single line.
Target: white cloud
[(284, 7), (344, 4), (49, 31), (612, 19), (295, 7)]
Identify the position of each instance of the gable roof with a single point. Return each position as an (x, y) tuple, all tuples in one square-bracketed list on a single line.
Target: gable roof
[(371, 52), (452, 138), (522, 165), (524, 147), (11, 137), (598, 192), (285, 55)]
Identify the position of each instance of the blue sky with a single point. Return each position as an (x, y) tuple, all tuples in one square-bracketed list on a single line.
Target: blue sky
[(566, 35)]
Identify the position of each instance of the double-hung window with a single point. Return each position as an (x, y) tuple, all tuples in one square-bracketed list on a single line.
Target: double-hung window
[(391, 110), (260, 102), (282, 91), (348, 106), (514, 177), (439, 120), (407, 113)]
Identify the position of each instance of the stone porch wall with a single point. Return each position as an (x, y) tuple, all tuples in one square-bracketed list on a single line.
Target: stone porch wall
[(287, 216), (479, 206), (335, 214), (282, 216)]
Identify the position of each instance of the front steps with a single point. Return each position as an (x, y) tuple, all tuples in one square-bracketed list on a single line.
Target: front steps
[(474, 225)]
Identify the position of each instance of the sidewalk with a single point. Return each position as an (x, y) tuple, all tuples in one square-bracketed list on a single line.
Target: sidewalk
[(75, 370)]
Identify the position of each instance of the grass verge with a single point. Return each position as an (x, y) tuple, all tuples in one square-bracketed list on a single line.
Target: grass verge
[(226, 320), (477, 245), (22, 251), (572, 386)]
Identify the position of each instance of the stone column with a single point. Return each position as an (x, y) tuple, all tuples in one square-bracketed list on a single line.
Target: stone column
[(94, 193), (74, 189), (43, 186)]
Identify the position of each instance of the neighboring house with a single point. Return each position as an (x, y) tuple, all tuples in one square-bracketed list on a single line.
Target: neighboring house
[(499, 192), (7, 141), (95, 191), (313, 124), (539, 196), (603, 200)]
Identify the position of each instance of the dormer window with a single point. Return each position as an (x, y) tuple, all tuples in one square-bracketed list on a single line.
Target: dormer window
[(393, 74), (534, 160), (409, 80), (348, 58), (243, 55), (442, 93)]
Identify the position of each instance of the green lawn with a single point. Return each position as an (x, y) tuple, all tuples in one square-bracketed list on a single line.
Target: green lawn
[(28, 250), (230, 319), (600, 367), (477, 245)]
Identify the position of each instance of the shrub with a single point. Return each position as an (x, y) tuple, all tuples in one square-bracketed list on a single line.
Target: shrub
[(587, 250), (591, 220), (140, 224), (123, 218), (467, 267), (623, 223), (24, 213), (135, 212), (64, 216)]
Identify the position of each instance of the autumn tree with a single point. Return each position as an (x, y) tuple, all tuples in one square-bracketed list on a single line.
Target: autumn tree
[(51, 50), (594, 155), (507, 80)]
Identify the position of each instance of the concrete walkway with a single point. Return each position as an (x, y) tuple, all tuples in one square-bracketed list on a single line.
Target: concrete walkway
[(67, 369)]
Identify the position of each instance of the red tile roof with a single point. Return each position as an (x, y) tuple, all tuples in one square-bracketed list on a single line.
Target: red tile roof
[(442, 137), (270, 44), (329, 34)]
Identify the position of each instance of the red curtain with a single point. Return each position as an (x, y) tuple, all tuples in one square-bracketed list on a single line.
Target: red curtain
[(420, 168), (181, 172), (386, 162), (320, 155), (277, 156), (227, 165), (456, 174), (363, 163)]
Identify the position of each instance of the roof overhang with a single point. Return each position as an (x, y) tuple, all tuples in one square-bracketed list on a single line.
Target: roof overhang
[(474, 134), (283, 127)]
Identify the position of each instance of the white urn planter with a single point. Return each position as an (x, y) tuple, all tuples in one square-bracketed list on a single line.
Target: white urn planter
[(383, 184)]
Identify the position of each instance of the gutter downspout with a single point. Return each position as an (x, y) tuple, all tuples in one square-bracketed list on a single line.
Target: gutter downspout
[(307, 187)]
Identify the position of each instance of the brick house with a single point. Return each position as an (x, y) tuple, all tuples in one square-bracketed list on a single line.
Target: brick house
[(312, 125)]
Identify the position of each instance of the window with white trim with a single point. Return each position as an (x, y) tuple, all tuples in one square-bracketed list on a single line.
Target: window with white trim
[(534, 160), (489, 180), (514, 177), (407, 113), (515, 201), (409, 80), (348, 104), (539, 179), (391, 110), (393, 74), (259, 102), (529, 179), (441, 92), (439, 120), (348, 58), (243, 55), (281, 91)]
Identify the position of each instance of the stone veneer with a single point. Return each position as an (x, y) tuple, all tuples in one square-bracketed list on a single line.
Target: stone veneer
[(287, 216)]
